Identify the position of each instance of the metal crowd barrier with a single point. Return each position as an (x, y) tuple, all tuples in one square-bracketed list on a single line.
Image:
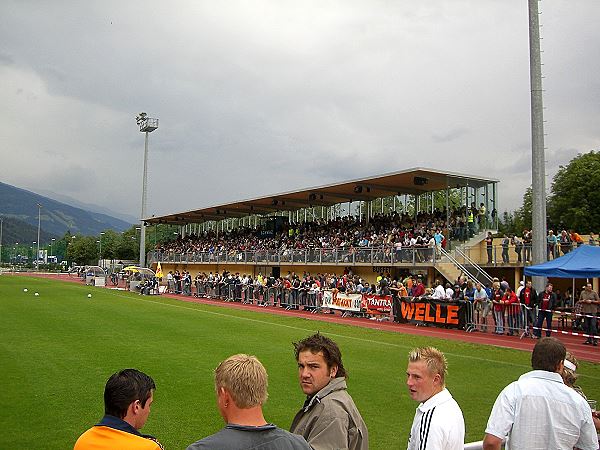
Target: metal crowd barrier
[(341, 255), (518, 319)]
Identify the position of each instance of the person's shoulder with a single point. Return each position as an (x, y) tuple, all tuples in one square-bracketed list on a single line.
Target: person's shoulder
[(82, 441), (116, 438), (216, 440), (297, 441)]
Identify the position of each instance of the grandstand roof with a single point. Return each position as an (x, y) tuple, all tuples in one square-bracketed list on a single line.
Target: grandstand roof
[(411, 181)]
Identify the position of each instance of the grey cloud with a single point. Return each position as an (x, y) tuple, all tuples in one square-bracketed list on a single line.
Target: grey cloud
[(6, 58), (450, 135), (276, 96)]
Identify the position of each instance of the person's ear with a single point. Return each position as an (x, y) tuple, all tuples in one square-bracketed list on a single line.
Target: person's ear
[(136, 405), (333, 371)]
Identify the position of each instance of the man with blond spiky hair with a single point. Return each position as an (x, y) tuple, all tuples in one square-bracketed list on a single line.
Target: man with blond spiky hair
[(438, 422), (241, 384)]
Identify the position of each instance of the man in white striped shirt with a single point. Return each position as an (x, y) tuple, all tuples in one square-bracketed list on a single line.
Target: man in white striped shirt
[(438, 422)]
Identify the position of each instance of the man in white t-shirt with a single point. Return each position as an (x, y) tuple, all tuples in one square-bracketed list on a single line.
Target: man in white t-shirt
[(438, 422), (538, 411), (439, 293)]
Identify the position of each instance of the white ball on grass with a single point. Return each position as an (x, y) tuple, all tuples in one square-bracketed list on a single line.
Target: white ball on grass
[(89, 295), (36, 294), (25, 290)]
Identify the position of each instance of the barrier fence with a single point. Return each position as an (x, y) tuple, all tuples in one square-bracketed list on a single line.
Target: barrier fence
[(497, 255), (341, 255), (516, 319)]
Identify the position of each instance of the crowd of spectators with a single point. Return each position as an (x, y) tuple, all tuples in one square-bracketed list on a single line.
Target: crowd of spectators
[(391, 232), (496, 305)]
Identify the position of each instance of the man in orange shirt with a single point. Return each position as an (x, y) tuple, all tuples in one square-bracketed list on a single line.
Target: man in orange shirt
[(576, 238), (128, 396)]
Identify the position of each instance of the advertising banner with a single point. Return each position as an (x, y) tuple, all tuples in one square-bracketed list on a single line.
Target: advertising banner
[(449, 315), (377, 304), (339, 300)]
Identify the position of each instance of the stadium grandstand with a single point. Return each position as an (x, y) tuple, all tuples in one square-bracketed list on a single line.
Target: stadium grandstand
[(420, 221)]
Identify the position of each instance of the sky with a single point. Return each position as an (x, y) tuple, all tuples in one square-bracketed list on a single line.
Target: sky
[(261, 97)]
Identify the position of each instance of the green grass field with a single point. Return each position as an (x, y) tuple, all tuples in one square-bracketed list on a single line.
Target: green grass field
[(58, 349)]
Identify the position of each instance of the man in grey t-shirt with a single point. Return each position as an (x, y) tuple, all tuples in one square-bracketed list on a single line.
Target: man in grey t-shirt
[(241, 387)]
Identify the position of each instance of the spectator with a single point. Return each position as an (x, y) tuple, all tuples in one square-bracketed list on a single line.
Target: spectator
[(565, 242), (527, 240), (576, 238), (505, 243), (241, 386), (551, 241), (329, 418), (539, 410), (128, 396), (528, 297), (469, 292), (439, 293), (419, 289), (518, 243), (589, 307), (498, 307), (513, 311), (489, 246), (438, 423), (546, 302), (482, 305)]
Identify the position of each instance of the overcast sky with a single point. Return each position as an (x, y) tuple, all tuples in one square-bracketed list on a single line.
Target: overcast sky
[(259, 97)]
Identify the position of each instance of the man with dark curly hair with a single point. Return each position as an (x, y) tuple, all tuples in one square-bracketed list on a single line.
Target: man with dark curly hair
[(329, 418)]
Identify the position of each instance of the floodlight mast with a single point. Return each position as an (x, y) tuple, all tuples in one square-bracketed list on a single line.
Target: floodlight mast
[(147, 125), (37, 258), (538, 169)]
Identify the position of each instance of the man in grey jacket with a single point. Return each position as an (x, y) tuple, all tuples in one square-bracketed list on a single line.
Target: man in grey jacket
[(329, 418)]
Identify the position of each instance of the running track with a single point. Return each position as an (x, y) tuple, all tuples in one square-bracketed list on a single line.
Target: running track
[(573, 343)]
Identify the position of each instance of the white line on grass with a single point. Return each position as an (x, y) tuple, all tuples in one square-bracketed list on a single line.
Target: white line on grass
[(370, 341)]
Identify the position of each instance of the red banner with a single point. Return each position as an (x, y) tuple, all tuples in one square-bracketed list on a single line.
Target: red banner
[(377, 304)]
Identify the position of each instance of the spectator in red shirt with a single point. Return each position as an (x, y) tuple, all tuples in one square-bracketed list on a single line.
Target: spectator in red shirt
[(546, 303)]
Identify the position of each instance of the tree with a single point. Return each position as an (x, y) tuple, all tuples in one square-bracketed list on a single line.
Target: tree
[(574, 201), (110, 242), (523, 215), (83, 250), (128, 245)]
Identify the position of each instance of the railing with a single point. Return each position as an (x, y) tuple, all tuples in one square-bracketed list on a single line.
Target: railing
[(461, 267), (478, 269), (336, 256)]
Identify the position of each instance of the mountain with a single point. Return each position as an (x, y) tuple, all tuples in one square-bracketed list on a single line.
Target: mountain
[(89, 206), (15, 230), (56, 217)]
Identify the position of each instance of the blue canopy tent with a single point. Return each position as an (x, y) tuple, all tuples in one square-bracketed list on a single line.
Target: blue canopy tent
[(583, 262)]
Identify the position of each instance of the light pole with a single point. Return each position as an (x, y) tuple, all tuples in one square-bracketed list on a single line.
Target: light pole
[(538, 168), (100, 242), (1, 224), (51, 242), (37, 256), (147, 125)]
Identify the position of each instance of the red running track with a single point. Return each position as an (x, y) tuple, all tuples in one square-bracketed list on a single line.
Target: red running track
[(573, 343)]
